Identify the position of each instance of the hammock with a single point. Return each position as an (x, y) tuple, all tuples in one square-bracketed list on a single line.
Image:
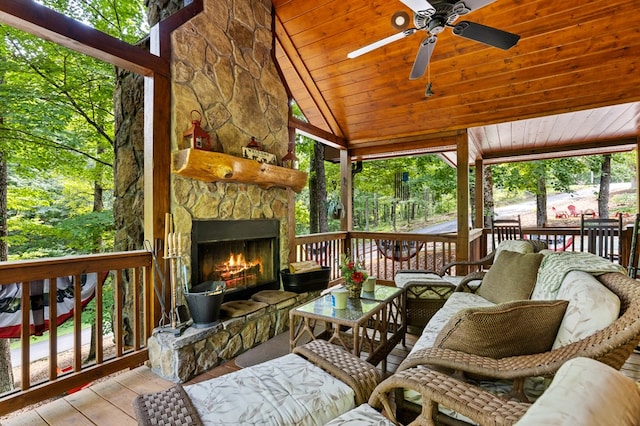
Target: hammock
[(10, 303)]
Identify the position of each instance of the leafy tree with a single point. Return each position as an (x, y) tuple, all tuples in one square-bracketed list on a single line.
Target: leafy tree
[(535, 176), (57, 137)]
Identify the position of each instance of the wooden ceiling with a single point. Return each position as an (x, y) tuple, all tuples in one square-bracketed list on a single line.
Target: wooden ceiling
[(569, 84)]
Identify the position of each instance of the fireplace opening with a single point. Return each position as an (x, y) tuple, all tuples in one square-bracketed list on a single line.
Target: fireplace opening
[(242, 253)]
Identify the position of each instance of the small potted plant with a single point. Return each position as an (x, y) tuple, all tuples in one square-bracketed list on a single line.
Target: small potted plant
[(354, 275)]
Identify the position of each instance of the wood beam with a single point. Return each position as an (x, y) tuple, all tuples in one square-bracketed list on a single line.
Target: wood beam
[(305, 76), (537, 151), (50, 25), (317, 133)]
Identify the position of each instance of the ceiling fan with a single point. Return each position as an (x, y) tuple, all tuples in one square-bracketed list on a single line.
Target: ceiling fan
[(433, 18)]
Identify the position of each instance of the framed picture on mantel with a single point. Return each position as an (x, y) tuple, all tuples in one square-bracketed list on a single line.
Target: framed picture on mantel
[(259, 156)]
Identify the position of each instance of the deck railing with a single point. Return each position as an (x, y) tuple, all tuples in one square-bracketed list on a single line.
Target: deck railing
[(133, 266), (383, 254)]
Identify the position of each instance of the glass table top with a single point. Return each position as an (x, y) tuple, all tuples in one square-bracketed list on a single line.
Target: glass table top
[(356, 308)]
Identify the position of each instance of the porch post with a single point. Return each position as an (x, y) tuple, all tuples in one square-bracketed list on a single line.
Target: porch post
[(462, 152), (638, 174), (346, 195), (157, 159), (479, 194)]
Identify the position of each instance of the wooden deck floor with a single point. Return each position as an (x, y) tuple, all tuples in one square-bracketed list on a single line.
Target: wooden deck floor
[(110, 402)]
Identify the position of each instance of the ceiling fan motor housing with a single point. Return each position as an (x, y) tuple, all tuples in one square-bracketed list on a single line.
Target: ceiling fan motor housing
[(445, 15)]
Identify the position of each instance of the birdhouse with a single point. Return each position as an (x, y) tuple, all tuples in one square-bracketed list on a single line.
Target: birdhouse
[(195, 137)]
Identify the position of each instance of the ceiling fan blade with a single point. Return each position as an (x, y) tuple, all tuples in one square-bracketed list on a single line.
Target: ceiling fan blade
[(477, 4), (380, 43), (487, 35), (422, 58), (420, 6)]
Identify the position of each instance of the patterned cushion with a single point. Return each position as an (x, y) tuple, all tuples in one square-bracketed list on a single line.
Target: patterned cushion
[(402, 279), (588, 393), (592, 307), (363, 415), (285, 390), (555, 266), (508, 329), (511, 277)]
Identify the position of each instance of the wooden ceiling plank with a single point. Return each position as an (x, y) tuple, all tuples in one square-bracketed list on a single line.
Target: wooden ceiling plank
[(328, 56), (535, 69), (477, 117), (609, 71), (304, 76)]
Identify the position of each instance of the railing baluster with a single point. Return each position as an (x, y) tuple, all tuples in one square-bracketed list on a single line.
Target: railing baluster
[(25, 304), (77, 323), (53, 328)]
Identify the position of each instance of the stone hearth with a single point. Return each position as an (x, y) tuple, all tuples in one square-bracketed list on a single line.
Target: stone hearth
[(195, 351)]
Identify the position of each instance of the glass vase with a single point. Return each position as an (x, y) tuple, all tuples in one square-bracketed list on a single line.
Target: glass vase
[(353, 289)]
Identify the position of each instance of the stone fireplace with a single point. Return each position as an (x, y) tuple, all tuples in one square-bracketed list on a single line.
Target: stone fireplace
[(223, 66), (242, 253)]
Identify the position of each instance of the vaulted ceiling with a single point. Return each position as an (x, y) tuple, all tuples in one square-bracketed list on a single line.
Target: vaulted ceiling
[(570, 83)]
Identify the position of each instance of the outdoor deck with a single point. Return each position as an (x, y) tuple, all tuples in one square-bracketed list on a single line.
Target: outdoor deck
[(109, 402)]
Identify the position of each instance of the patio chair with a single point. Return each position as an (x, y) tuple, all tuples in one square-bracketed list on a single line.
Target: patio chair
[(573, 211), (602, 237), (634, 258), (505, 229)]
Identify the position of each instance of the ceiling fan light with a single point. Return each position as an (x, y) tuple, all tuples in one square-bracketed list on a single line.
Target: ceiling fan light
[(400, 20)]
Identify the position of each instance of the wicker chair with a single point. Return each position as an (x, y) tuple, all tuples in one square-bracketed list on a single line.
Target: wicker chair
[(424, 299), (611, 345)]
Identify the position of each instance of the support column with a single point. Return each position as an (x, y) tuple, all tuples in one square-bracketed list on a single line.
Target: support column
[(638, 174), (479, 195), (462, 151), (346, 195)]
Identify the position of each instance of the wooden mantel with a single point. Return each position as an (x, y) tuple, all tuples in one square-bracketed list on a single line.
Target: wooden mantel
[(218, 167)]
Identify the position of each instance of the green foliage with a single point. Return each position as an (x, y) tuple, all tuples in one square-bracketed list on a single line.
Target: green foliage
[(559, 174)]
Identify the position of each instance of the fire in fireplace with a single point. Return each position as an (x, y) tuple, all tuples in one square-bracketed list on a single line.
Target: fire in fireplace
[(242, 253)]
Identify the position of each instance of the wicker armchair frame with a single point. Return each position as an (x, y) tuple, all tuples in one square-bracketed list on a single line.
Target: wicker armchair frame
[(611, 346)]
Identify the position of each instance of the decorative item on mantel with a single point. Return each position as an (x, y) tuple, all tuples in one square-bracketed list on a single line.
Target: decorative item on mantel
[(353, 274), (253, 151), (195, 136), (290, 161)]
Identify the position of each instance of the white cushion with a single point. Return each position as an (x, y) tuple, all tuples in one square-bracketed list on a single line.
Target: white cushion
[(586, 392), (285, 390), (592, 307), (402, 279)]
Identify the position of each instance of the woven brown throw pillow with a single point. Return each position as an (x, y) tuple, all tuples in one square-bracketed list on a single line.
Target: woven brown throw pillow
[(511, 277), (509, 329)]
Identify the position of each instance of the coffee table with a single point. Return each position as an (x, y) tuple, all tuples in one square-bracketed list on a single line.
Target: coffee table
[(374, 323)]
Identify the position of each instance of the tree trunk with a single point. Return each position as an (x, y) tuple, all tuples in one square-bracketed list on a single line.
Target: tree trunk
[(605, 181), (541, 200), (317, 192), (98, 206), (6, 371), (488, 196)]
